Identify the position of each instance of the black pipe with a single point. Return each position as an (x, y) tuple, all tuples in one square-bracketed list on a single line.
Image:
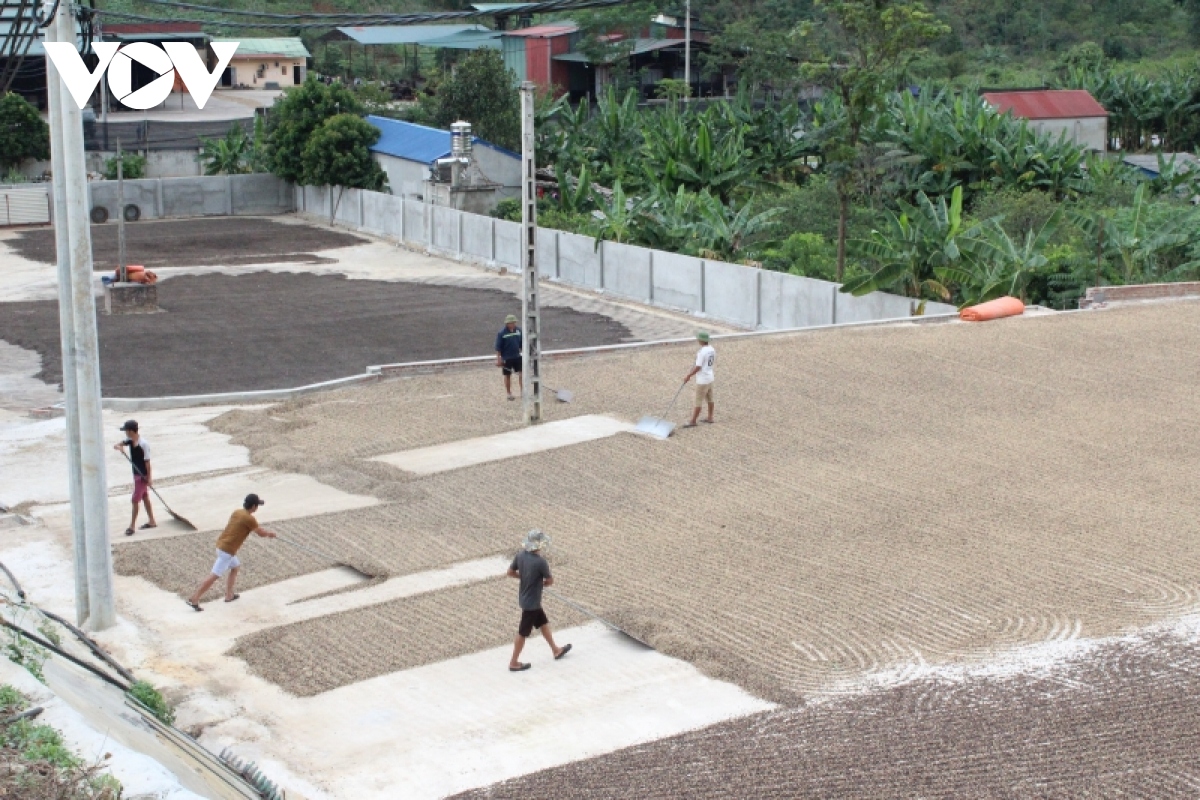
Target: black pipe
[(11, 577), (56, 649), (90, 643)]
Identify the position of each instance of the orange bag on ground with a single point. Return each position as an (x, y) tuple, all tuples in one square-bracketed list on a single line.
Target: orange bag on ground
[(993, 309), (136, 273)]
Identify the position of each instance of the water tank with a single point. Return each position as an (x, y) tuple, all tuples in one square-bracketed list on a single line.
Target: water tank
[(460, 140)]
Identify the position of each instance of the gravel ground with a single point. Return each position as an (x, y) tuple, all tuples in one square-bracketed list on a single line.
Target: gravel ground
[(869, 499), (268, 330), (1118, 723), (224, 241)]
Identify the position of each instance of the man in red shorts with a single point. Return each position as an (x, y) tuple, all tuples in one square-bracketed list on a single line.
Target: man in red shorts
[(139, 455)]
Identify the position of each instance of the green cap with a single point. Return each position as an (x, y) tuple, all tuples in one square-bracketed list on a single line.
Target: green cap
[(702, 336), (510, 318)]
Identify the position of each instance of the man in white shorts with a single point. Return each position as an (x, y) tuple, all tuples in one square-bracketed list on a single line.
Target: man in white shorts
[(241, 524), (703, 371)]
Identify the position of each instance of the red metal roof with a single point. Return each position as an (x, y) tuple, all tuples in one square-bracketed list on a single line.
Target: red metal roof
[(543, 31), (1047, 104)]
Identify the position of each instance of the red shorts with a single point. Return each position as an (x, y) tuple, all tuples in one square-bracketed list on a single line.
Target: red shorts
[(140, 489)]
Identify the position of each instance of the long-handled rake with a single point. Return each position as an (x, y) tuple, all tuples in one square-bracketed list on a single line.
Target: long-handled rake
[(659, 427), (327, 557), (184, 520), (611, 626)]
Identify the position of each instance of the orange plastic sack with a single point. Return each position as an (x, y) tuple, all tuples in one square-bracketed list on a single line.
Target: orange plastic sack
[(993, 309), (143, 276)]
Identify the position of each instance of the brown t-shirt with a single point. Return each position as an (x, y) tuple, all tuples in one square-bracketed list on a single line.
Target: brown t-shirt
[(241, 524)]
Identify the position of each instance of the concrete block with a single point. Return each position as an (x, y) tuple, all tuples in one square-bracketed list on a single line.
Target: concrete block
[(262, 194), (131, 298), (547, 252), (731, 292), (578, 260), (195, 197), (872, 307), (414, 221), (141, 193), (792, 301), (508, 244), (477, 236), (627, 270), (677, 280), (385, 211), (445, 228), (346, 206)]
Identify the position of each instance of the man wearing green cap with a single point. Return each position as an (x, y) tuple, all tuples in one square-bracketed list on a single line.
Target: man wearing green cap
[(508, 353), (703, 371)]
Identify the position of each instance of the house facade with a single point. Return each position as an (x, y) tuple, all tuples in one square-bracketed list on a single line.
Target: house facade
[(1073, 112)]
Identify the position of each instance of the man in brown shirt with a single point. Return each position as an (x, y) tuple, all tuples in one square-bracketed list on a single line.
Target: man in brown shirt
[(241, 524)]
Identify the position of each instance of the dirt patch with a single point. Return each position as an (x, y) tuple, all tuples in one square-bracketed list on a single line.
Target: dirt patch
[(311, 657), (867, 500), (214, 241), (267, 330), (1118, 723)]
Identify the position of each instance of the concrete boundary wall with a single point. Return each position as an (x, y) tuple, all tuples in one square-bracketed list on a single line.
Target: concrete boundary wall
[(201, 196), (732, 293)]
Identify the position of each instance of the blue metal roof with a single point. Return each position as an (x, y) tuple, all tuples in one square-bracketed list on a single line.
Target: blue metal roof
[(418, 143)]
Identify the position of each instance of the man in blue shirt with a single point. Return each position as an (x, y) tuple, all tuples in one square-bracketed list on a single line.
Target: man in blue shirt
[(508, 353)]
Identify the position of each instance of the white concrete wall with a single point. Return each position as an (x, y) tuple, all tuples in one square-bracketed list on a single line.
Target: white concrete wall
[(1091, 132), (499, 168), (405, 178), (744, 296), (217, 195)]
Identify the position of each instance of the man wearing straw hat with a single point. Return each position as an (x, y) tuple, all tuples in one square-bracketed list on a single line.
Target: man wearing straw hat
[(534, 573), (508, 353)]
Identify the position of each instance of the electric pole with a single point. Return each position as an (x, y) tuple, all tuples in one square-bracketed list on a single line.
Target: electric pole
[(88, 417), (531, 317), (687, 51), (66, 331)]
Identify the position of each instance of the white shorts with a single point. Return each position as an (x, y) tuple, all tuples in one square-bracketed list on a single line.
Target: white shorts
[(225, 562)]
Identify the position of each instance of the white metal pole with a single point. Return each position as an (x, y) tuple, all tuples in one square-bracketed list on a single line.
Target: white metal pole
[(687, 50), (531, 318), (66, 330), (101, 603), (122, 275)]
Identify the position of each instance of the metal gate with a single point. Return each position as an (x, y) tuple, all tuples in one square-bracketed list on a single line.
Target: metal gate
[(24, 206)]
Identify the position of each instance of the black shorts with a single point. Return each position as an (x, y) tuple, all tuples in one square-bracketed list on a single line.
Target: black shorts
[(512, 365), (530, 620)]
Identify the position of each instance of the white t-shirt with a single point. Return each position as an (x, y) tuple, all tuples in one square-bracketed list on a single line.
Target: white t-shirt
[(705, 360)]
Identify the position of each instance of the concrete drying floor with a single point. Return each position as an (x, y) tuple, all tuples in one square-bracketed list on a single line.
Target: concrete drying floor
[(867, 500)]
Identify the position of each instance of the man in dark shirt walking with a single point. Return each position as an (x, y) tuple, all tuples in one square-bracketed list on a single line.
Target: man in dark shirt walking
[(139, 457), (534, 574), (508, 354)]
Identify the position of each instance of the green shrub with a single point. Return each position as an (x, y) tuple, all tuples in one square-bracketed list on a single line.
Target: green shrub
[(807, 254), (133, 167), (150, 697), (509, 209), (11, 701)]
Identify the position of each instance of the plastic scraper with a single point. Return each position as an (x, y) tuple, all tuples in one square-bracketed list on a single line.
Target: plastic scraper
[(659, 427)]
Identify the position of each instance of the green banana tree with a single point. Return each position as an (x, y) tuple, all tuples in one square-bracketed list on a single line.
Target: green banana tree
[(997, 265), (1136, 237), (914, 247)]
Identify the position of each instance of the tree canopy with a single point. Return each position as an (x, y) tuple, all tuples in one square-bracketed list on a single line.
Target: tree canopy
[(338, 154), (23, 133), (296, 116), (483, 92)]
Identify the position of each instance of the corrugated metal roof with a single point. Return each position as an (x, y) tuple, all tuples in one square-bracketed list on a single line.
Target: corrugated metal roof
[(285, 47), (404, 34), (418, 143), (639, 46), (543, 31), (1047, 104), (1148, 164), (492, 8), (467, 40)]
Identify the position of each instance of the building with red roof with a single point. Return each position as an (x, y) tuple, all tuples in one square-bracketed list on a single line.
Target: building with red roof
[(1055, 111)]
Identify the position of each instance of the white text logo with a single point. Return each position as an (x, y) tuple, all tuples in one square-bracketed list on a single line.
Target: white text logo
[(179, 57)]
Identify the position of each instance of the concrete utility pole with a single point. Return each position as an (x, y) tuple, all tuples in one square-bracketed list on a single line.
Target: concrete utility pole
[(531, 316), (101, 603), (122, 275), (66, 330), (687, 50)]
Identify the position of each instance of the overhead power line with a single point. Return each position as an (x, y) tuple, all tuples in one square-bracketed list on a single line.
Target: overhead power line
[(327, 20)]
